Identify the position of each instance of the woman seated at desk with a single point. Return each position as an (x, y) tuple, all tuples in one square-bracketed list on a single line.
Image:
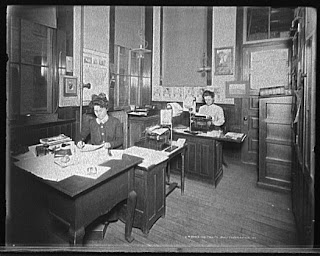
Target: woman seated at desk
[(104, 129), (212, 110)]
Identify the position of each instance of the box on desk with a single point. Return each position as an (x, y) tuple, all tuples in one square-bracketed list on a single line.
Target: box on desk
[(158, 142), (156, 138), (153, 144)]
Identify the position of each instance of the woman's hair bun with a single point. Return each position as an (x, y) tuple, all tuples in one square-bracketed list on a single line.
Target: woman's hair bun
[(99, 100)]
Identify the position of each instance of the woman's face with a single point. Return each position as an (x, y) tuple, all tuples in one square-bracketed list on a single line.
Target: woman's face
[(100, 112), (208, 100)]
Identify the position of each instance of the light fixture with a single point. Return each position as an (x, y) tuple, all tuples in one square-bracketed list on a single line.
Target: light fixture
[(143, 43), (205, 68)]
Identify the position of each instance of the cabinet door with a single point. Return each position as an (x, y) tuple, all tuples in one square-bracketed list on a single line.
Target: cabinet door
[(275, 142)]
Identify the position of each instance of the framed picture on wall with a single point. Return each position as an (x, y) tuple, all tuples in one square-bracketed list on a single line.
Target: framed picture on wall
[(223, 61), (237, 89), (69, 86)]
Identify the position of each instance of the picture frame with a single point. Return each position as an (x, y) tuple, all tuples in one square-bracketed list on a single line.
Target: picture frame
[(223, 61), (237, 89), (70, 86)]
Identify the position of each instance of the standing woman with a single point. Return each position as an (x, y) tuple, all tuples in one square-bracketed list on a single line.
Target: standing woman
[(212, 110), (103, 129)]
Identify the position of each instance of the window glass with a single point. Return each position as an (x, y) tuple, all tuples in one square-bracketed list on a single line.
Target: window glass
[(268, 23), (132, 77), (15, 39), (280, 22), (31, 64), (34, 40), (257, 23)]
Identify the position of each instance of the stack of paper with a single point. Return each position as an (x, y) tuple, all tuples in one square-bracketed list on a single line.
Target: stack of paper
[(55, 140), (150, 156), (234, 135)]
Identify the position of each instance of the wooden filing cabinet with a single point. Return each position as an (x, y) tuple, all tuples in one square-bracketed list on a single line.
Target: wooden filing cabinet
[(204, 158), (151, 196), (137, 125), (275, 142)]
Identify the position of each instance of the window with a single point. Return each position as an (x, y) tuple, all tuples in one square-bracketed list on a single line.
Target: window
[(31, 67), (265, 23), (132, 77)]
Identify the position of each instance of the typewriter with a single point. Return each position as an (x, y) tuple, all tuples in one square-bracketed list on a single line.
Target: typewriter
[(201, 123)]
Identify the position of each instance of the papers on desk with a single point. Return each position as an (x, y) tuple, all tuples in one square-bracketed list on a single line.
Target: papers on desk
[(89, 147), (234, 135), (80, 163), (150, 156), (134, 113), (159, 131), (44, 167)]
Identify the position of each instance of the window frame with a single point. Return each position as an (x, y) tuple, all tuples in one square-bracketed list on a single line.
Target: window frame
[(246, 42), (14, 108)]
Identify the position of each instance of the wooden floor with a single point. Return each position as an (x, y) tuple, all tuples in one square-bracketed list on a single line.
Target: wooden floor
[(236, 216)]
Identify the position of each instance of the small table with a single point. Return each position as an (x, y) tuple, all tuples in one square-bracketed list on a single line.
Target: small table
[(180, 150), (77, 201)]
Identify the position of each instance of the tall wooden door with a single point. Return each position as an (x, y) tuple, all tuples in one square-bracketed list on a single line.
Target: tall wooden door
[(260, 75), (250, 126)]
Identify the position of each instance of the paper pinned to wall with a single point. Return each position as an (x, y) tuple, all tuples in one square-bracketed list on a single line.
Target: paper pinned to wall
[(269, 68), (95, 72)]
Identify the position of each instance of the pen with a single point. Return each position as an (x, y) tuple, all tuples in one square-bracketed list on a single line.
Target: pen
[(109, 152)]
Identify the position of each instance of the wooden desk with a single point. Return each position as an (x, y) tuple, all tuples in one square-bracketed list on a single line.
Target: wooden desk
[(204, 157), (150, 184), (181, 150), (78, 201)]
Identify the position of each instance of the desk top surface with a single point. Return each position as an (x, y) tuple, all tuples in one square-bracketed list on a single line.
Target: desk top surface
[(74, 185), (227, 137)]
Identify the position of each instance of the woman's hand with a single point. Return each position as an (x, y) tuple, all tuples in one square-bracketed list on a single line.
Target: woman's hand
[(107, 145), (80, 144)]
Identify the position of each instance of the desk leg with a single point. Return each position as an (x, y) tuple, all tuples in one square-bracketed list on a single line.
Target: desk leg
[(76, 236), (182, 173), (131, 206), (168, 172)]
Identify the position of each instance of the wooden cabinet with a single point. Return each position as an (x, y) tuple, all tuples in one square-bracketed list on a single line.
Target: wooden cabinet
[(275, 142), (204, 158), (151, 195), (137, 125)]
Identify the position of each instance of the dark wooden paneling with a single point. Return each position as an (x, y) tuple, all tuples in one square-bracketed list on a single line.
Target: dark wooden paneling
[(31, 134)]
